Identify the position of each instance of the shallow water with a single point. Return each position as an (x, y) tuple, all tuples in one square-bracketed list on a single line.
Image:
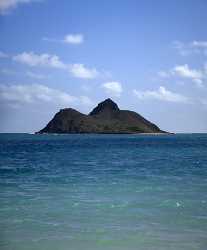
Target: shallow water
[(104, 192)]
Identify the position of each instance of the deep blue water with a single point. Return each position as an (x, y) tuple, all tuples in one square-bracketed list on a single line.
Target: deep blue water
[(104, 192)]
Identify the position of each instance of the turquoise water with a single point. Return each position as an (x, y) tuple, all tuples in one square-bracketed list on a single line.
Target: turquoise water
[(104, 192)]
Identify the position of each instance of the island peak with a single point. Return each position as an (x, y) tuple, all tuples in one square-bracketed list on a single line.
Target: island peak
[(107, 104), (106, 117)]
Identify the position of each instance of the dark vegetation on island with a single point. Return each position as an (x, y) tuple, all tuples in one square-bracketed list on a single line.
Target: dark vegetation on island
[(106, 118)]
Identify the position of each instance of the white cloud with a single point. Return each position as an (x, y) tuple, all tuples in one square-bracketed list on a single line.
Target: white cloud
[(186, 72), (80, 71), (32, 59), (199, 44), (74, 38), (199, 83), (69, 39), (7, 5), (113, 88), (2, 54), (34, 93), (193, 47), (37, 93), (53, 61), (161, 94)]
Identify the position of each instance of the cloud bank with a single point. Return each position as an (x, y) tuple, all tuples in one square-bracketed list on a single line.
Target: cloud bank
[(38, 93)]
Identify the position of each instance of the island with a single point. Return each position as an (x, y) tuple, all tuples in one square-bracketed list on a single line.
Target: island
[(106, 118)]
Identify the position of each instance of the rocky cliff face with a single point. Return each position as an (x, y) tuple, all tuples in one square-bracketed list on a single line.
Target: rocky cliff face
[(105, 118)]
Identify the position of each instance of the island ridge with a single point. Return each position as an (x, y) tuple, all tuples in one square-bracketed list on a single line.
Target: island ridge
[(106, 118)]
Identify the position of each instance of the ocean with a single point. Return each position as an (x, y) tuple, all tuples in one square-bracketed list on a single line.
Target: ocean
[(103, 192)]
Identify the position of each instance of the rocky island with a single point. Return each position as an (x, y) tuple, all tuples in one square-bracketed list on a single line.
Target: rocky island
[(106, 118)]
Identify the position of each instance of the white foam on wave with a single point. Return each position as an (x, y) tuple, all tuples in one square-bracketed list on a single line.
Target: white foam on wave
[(178, 204)]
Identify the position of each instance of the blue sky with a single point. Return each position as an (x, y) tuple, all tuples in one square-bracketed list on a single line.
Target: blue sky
[(148, 56)]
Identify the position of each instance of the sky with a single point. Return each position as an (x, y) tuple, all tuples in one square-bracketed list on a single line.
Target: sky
[(148, 56)]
